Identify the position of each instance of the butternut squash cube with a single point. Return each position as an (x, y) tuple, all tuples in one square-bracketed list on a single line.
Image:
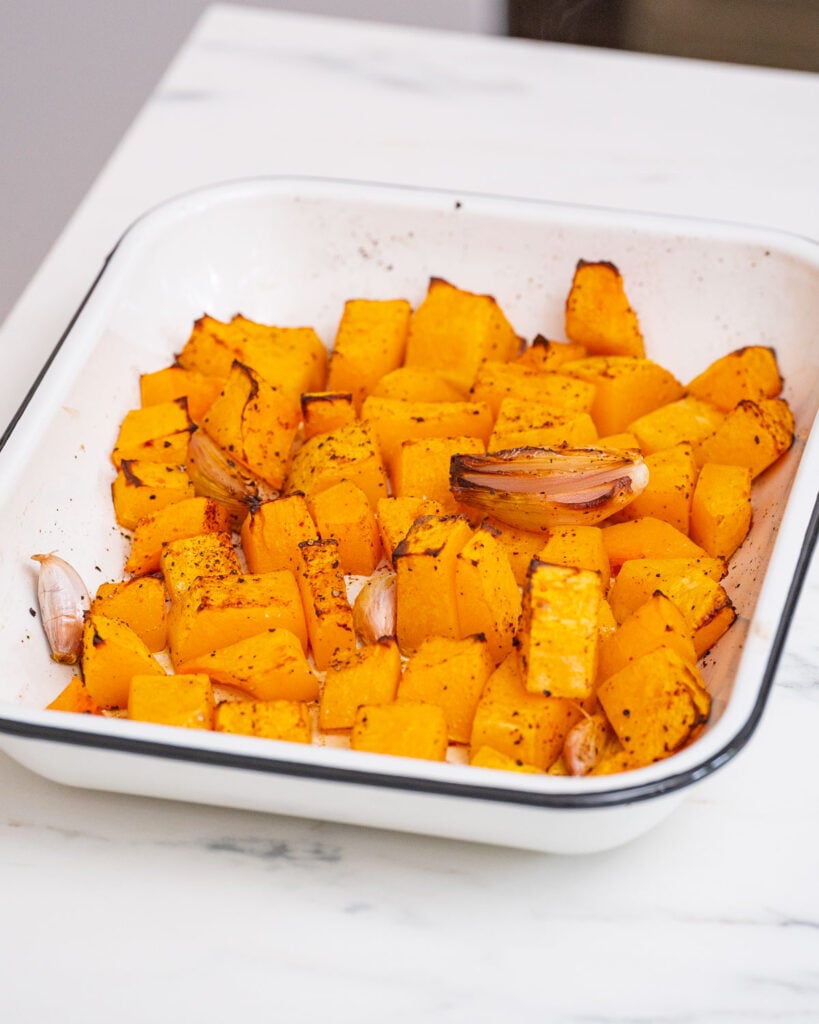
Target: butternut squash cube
[(625, 388), (753, 434), (74, 697), (343, 513), (267, 666), (325, 411), (285, 720), (672, 474), (453, 331), (721, 510), (426, 591), (185, 518), (255, 423), (519, 724), (112, 654), (521, 424), (656, 704), (521, 546), (580, 547), (327, 611), (452, 675), (488, 598), (173, 382), (370, 342), (546, 355), (349, 453), (368, 675), (420, 468), (564, 394), (271, 534), (404, 728), (417, 384), (187, 559), (185, 701), (156, 433), (393, 421), (748, 373), (647, 538), (657, 622), (486, 757), (216, 611), (598, 313), (688, 419), (140, 604), (559, 631), (396, 515), (141, 489)]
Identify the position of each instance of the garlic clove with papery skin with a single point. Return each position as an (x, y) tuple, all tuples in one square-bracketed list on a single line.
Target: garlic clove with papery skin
[(63, 600), (374, 608)]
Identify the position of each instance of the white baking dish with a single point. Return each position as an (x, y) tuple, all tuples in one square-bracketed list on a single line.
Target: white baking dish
[(290, 252)]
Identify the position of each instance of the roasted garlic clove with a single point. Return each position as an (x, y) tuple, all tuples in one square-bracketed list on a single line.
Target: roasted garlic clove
[(374, 608), (585, 743), (532, 488), (63, 601), (216, 475)]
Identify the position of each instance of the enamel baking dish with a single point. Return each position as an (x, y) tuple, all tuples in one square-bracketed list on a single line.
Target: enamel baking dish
[(290, 251)]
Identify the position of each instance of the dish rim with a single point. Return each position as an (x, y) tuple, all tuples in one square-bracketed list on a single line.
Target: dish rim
[(587, 798)]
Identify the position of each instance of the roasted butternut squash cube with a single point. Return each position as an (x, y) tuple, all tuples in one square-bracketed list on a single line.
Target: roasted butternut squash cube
[(417, 384), (404, 728), (141, 489), (546, 355), (451, 674), (579, 546), (182, 700), (559, 631), (486, 757), (74, 697), (420, 468), (396, 515), (688, 419), (286, 720), (139, 603), (216, 611), (672, 474), (325, 411), (564, 394), (521, 424), (255, 423), (748, 373), (267, 666), (272, 533), (185, 518), (521, 546), (173, 382), (647, 538), (294, 358), (519, 724), (753, 434), (370, 342), (187, 559), (625, 388), (657, 622), (156, 433), (656, 704), (368, 675), (112, 654), (393, 421), (327, 612), (488, 597), (598, 312), (721, 510), (426, 591), (343, 513), (349, 453), (453, 331)]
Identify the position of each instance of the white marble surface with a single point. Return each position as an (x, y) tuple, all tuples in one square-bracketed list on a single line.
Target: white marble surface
[(125, 909)]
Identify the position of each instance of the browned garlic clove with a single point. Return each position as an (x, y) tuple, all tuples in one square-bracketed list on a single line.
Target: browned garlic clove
[(532, 488), (374, 608), (216, 475), (585, 743), (63, 601)]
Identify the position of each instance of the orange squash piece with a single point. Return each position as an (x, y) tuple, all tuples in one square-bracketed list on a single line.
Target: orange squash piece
[(396, 515), (349, 453), (185, 518), (486, 757), (688, 419), (647, 538), (403, 728), (546, 355), (327, 612), (370, 342), (581, 547), (368, 675), (625, 388), (271, 534), (748, 373), (75, 697), (343, 513), (185, 701), (393, 421), (141, 604), (753, 434), (488, 598), (656, 623), (598, 312), (155, 433), (721, 511), (112, 654), (564, 394), (142, 488), (173, 382), (672, 474), (285, 720), (417, 384), (325, 411), (420, 468), (187, 559)]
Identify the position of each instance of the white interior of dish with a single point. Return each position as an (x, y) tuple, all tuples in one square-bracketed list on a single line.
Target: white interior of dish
[(291, 253)]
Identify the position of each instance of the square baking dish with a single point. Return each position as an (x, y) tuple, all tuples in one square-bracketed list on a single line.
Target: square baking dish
[(290, 252)]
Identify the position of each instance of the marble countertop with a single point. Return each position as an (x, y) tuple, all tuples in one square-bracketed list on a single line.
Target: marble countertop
[(127, 909)]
